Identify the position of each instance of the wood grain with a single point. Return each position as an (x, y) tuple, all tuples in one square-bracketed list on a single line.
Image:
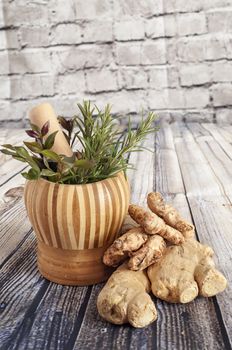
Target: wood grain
[(210, 204), (71, 254), (36, 314)]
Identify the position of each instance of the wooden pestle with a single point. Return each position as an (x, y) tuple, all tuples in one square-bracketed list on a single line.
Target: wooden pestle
[(44, 112)]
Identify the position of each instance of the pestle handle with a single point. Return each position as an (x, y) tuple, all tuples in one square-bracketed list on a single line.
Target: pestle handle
[(44, 112)]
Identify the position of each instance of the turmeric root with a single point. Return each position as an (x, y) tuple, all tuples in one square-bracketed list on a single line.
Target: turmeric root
[(153, 224), (185, 271), (170, 215), (125, 298), (150, 252), (122, 246)]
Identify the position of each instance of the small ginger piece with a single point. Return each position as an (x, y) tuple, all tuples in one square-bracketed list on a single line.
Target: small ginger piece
[(185, 271), (170, 215), (150, 252), (123, 245), (153, 224), (125, 298)]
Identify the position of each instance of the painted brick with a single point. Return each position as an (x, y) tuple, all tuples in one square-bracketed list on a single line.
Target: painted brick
[(17, 14), (9, 39), (155, 27), (194, 74), (196, 97), (132, 78), (191, 23), (90, 9), (172, 56), (222, 94), (222, 71), (4, 63), (30, 61), (124, 102), (128, 54), (61, 11), (70, 83), (224, 115), (30, 86), (83, 56), (103, 80), (137, 8), (5, 90), (35, 36), (175, 6), (153, 52), (201, 48), (219, 21), (97, 31), (66, 34), (162, 77), (165, 99), (129, 30)]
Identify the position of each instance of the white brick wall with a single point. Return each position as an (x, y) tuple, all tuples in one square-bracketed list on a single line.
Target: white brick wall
[(174, 57)]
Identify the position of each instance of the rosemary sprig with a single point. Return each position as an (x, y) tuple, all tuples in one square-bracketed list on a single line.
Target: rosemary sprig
[(102, 152)]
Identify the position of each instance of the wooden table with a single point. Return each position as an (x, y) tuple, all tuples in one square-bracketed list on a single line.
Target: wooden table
[(192, 168)]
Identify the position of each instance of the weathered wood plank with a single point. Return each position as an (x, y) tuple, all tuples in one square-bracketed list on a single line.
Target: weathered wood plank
[(202, 180), (143, 163), (226, 132), (167, 178), (16, 181), (218, 135), (210, 208), (14, 225), (57, 317), (36, 314), (171, 328), (218, 160)]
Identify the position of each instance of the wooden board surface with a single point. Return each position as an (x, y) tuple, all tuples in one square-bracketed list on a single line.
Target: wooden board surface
[(192, 168)]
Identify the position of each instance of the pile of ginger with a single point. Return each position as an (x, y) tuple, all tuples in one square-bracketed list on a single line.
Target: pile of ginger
[(159, 254)]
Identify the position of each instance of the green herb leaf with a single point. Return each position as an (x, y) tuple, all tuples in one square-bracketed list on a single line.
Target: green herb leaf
[(47, 172), (8, 146), (33, 146), (31, 175), (51, 155), (50, 140), (83, 163), (8, 152)]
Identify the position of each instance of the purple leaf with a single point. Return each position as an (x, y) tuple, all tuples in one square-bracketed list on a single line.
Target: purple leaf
[(45, 128), (32, 133)]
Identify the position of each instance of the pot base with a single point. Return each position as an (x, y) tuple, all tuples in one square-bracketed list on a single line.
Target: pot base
[(72, 267)]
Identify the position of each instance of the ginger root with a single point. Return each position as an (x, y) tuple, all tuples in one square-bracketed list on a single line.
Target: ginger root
[(153, 224), (185, 271), (142, 249), (125, 298), (123, 245), (170, 215), (150, 252)]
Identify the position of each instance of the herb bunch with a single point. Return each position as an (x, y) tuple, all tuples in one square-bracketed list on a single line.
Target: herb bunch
[(102, 149)]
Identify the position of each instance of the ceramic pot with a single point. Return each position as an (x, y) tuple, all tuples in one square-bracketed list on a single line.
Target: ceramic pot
[(74, 225)]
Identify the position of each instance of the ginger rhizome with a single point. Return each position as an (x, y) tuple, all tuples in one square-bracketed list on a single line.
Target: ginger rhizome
[(125, 298), (184, 272), (142, 249), (153, 224), (178, 272), (169, 214)]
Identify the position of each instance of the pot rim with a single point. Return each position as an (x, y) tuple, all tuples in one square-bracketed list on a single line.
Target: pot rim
[(87, 184)]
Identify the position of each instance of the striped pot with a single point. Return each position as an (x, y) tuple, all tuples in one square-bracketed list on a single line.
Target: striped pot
[(74, 225)]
